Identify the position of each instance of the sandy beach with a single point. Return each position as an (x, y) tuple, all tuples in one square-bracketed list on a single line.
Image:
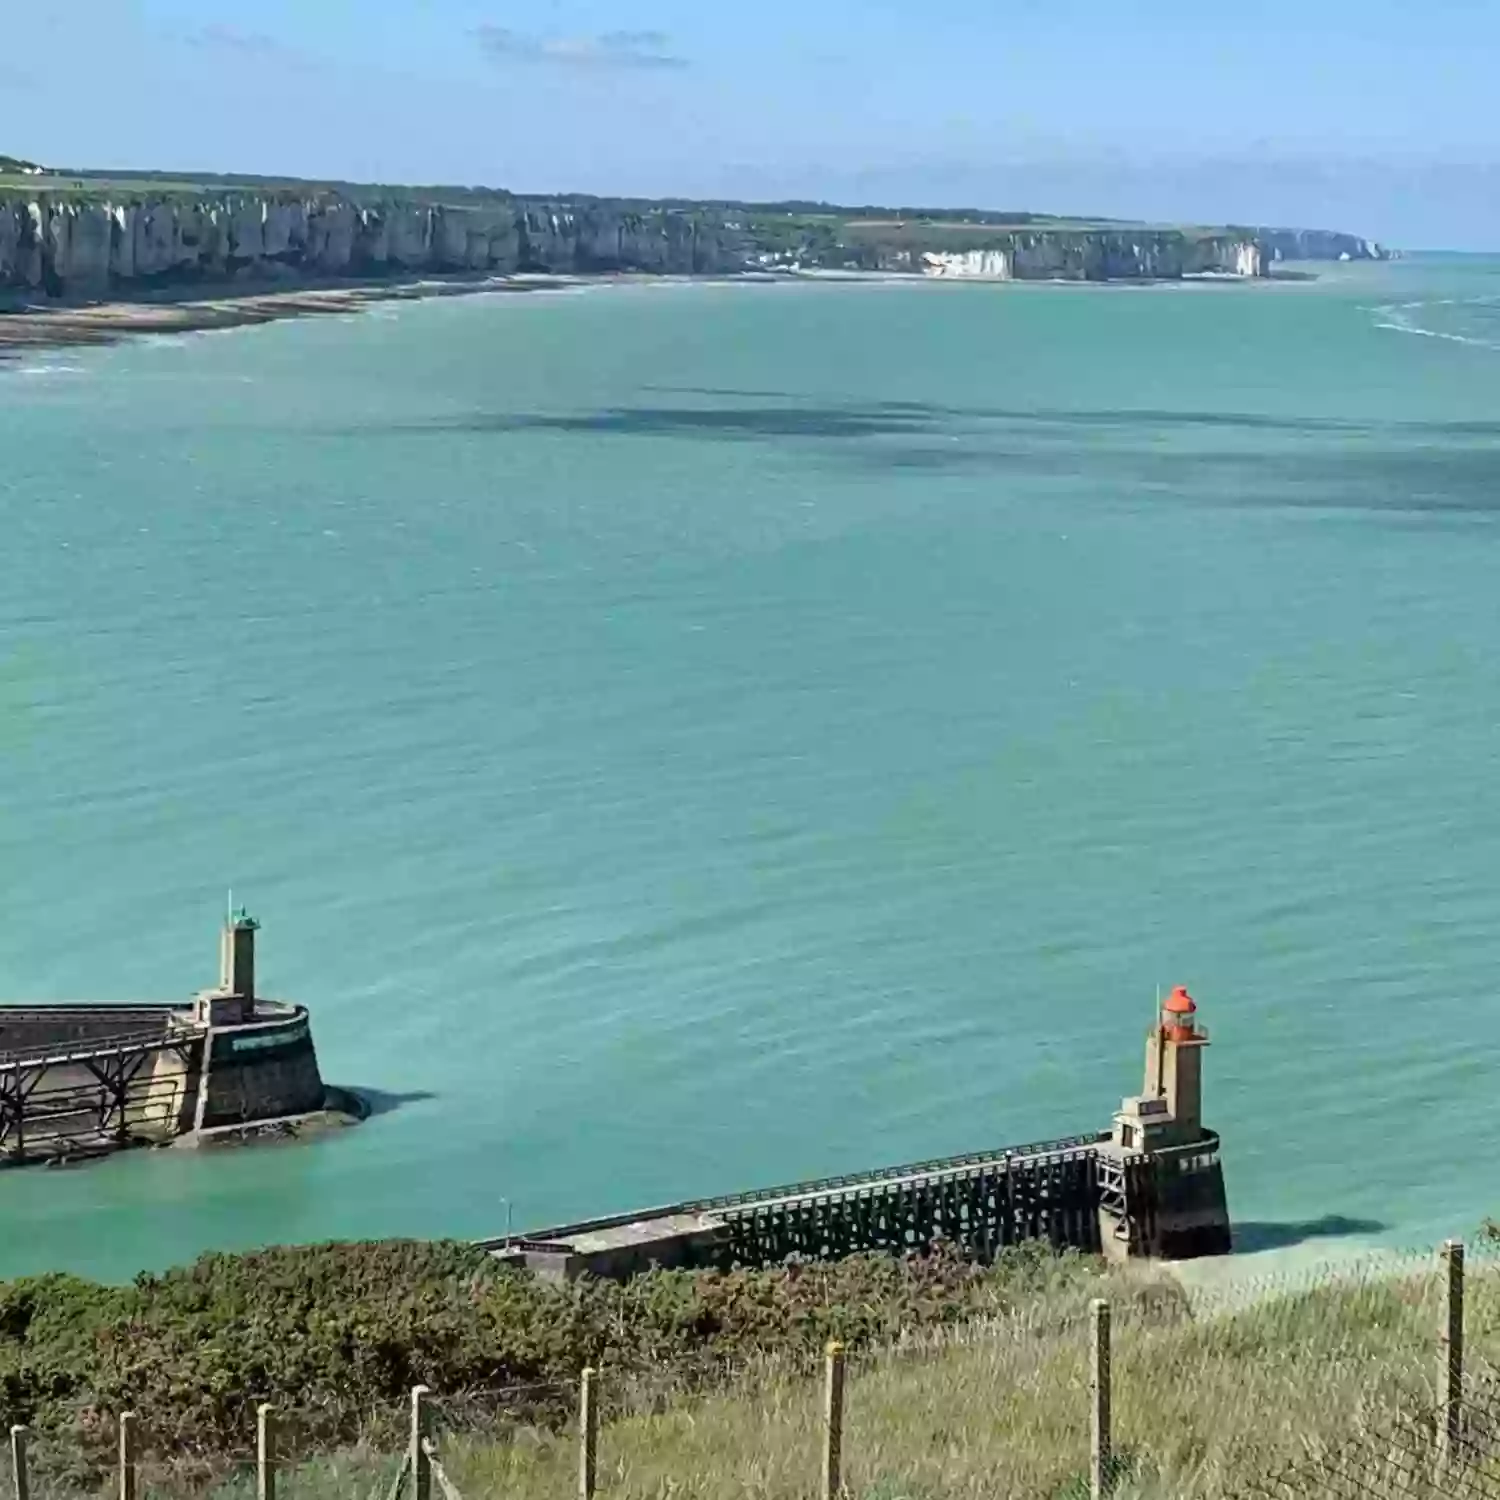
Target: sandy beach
[(28, 326), (31, 324)]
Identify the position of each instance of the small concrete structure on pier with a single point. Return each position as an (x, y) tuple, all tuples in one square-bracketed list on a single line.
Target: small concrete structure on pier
[(1151, 1187), (233, 1003), (83, 1080)]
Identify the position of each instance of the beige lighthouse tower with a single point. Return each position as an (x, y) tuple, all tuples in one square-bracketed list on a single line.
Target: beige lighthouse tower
[(1169, 1109), (233, 1002)]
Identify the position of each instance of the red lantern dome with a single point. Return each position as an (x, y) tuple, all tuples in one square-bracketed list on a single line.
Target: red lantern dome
[(1177, 1013)]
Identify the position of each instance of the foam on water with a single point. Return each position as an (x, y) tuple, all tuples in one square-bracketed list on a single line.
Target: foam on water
[(41, 370), (1406, 317)]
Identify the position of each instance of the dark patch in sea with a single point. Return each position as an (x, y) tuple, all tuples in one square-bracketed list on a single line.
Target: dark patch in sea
[(1381, 478), (690, 421), (1404, 466), (790, 416)]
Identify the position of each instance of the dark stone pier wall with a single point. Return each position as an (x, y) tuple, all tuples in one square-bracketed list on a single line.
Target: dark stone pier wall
[(263, 1071)]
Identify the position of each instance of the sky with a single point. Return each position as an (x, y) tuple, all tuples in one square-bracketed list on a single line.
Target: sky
[(1372, 116)]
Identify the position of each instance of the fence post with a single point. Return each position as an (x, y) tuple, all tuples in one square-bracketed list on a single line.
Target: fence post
[(1451, 1374), (588, 1435), (127, 1455), (833, 1423), (18, 1463), (1099, 1383), (421, 1465), (265, 1452)]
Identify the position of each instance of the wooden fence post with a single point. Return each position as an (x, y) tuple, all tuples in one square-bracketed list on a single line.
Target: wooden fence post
[(127, 1455), (1100, 1455), (588, 1436), (833, 1423), (18, 1463), (421, 1465), (1451, 1338), (265, 1452)]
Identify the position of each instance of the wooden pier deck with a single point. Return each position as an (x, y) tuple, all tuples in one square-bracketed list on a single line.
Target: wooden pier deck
[(981, 1201)]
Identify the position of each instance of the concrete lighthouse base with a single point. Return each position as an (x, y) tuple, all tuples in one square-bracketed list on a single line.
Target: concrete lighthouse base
[(261, 1069), (1170, 1203)]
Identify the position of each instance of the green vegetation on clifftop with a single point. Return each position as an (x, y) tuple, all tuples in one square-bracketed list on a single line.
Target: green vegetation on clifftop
[(339, 1333)]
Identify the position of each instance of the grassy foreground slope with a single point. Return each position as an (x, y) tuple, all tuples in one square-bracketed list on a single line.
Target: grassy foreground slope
[(964, 1381), (1204, 1405)]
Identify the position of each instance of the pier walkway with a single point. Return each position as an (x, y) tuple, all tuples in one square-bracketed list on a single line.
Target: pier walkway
[(981, 1200), (77, 1080)]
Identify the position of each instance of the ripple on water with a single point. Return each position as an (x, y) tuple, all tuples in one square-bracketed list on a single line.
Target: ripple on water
[(662, 778)]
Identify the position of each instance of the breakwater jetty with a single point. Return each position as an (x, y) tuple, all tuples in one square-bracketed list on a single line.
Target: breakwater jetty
[(80, 1080), (1151, 1186)]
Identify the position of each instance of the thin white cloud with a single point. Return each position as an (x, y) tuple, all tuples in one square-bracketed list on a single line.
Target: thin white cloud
[(218, 36), (608, 50)]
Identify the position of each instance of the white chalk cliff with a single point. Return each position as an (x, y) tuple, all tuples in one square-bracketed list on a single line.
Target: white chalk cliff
[(76, 245), (1092, 255), (67, 246)]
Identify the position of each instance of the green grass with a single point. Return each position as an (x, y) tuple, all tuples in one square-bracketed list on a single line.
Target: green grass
[(1001, 1409), (92, 188), (1209, 1392), (974, 236)]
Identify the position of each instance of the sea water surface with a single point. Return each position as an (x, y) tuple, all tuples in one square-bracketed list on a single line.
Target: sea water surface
[(680, 739)]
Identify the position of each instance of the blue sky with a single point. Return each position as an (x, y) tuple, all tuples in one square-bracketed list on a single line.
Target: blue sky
[(1367, 115)]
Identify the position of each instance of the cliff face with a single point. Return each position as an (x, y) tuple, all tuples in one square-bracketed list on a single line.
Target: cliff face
[(1087, 255), (68, 247), (60, 246), (1318, 244)]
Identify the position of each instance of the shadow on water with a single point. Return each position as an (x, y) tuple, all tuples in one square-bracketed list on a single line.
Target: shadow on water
[(1270, 1235), (1400, 465), (790, 416), (380, 1102), (789, 413)]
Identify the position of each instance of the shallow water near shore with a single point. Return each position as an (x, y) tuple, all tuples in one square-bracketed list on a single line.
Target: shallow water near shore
[(679, 740)]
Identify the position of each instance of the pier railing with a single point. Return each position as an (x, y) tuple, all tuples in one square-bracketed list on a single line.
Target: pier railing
[(942, 1166), (61, 1053), (1075, 1397), (1067, 1149)]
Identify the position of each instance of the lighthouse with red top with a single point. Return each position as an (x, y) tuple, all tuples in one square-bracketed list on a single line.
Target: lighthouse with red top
[(1161, 1185)]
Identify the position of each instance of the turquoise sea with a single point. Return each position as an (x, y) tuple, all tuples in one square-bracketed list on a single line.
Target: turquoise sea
[(686, 738)]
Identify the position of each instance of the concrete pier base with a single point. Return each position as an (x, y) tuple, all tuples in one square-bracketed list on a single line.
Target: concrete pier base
[(1169, 1204)]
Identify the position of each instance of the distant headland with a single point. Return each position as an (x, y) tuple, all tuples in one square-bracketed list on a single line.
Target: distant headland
[(80, 249)]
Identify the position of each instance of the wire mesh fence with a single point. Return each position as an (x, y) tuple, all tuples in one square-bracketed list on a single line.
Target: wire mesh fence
[(1402, 1457), (1375, 1380)]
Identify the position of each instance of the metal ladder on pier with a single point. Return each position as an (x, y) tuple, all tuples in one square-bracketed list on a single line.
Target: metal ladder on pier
[(1110, 1175)]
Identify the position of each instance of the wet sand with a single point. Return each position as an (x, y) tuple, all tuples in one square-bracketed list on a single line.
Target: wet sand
[(30, 325)]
